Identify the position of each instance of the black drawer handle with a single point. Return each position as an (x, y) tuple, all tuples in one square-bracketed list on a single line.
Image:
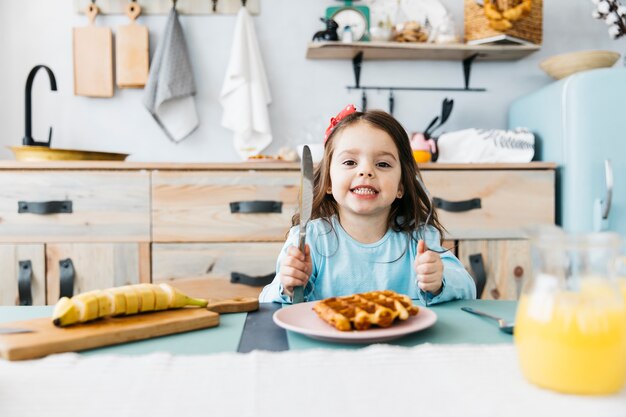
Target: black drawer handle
[(480, 276), (24, 283), (258, 206), (260, 281), (66, 278), (457, 206), (44, 207)]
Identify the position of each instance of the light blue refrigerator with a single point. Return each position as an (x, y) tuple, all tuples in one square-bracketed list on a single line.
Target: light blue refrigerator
[(580, 123)]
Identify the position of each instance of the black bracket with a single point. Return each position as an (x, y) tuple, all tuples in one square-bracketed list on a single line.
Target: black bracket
[(24, 283), (478, 268), (457, 206), (259, 281), (66, 278), (357, 62)]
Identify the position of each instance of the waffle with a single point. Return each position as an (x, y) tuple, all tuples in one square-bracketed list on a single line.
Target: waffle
[(362, 311)]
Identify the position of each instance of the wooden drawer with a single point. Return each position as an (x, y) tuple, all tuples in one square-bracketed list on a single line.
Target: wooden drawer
[(198, 207), (509, 201), (204, 269), (105, 206)]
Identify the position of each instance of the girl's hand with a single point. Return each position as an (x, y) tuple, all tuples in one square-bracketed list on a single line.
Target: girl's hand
[(295, 269), (429, 269)]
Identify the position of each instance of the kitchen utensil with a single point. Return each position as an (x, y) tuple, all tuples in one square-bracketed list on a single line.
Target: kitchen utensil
[(131, 51), (46, 338), (93, 58), (42, 153), (563, 65), (306, 206), (504, 326), (234, 305), (446, 109), (13, 330)]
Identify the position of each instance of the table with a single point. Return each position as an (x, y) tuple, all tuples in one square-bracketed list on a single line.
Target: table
[(256, 331), (461, 366)]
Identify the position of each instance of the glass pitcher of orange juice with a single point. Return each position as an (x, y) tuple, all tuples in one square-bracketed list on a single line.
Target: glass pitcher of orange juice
[(570, 326)]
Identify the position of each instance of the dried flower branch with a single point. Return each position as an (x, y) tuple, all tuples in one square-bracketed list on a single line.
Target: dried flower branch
[(613, 14)]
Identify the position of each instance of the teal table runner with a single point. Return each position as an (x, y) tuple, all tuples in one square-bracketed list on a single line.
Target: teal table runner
[(223, 338), (453, 326)]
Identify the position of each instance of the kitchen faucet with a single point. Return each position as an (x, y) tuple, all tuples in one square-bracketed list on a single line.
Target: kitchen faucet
[(28, 139)]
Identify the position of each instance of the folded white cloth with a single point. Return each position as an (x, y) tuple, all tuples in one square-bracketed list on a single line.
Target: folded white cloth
[(381, 380), (245, 93), (169, 92), (476, 145)]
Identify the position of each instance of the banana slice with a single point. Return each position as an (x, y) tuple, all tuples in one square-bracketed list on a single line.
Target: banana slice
[(87, 305), (148, 297)]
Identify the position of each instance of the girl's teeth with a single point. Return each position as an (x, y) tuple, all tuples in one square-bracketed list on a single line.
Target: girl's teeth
[(364, 191)]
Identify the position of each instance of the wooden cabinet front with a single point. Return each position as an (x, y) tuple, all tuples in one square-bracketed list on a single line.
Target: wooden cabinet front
[(506, 265), (74, 206), (96, 265), (228, 206), (491, 204), (206, 269), (13, 259)]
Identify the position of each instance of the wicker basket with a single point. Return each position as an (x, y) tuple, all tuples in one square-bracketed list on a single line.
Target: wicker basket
[(527, 29)]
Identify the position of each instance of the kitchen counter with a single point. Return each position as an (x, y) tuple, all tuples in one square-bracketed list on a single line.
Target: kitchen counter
[(461, 366), (256, 165)]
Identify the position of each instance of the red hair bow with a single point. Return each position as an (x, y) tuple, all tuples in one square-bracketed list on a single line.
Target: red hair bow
[(349, 109)]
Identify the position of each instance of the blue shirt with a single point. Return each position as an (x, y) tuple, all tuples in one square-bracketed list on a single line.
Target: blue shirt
[(343, 266)]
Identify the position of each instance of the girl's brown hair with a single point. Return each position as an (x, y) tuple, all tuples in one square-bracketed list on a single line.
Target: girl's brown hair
[(408, 213)]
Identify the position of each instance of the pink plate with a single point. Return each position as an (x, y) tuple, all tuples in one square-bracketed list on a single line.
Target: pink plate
[(301, 318)]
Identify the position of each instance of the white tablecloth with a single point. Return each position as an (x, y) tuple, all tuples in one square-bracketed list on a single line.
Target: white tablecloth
[(432, 380)]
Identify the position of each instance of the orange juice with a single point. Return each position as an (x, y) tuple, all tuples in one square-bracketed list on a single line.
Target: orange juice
[(573, 342)]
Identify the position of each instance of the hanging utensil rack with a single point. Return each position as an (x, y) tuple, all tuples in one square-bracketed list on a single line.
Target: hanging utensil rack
[(184, 7)]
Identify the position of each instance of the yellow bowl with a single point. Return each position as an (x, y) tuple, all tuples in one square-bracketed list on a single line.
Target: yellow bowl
[(42, 153), (561, 66)]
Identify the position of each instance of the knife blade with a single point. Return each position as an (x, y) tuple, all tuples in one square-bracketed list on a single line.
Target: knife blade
[(12, 330), (306, 207)]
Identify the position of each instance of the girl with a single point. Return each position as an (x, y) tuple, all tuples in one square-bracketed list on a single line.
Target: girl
[(373, 225)]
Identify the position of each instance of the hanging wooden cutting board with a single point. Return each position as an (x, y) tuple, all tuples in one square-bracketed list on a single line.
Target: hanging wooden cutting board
[(46, 338), (93, 58), (132, 51)]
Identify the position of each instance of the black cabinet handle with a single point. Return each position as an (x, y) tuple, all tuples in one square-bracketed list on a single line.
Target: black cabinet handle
[(457, 206), (478, 268), (24, 283), (44, 207), (66, 278), (260, 281), (258, 206)]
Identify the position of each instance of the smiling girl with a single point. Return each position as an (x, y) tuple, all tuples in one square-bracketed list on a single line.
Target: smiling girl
[(373, 226)]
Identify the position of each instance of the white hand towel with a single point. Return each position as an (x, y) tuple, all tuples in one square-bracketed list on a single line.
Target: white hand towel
[(170, 89), (245, 93), (477, 145)]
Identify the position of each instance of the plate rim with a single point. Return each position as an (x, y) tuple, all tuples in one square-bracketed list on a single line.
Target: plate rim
[(355, 336)]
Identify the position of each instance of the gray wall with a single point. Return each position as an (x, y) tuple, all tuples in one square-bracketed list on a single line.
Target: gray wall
[(305, 92)]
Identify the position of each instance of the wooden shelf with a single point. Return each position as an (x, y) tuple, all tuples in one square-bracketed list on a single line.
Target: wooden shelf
[(399, 51)]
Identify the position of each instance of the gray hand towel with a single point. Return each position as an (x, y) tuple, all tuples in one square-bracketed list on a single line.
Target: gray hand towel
[(168, 95)]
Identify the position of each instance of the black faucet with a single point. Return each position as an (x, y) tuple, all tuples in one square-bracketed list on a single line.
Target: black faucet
[(28, 139)]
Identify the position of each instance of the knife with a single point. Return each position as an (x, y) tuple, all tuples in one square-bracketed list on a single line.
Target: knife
[(306, 207)]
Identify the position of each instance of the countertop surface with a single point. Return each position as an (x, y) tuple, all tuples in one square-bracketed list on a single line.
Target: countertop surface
[(249, 165)]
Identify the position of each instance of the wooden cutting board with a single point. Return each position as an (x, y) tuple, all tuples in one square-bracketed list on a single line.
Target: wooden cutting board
[(93, 58), (46, 338), (132, 51)]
